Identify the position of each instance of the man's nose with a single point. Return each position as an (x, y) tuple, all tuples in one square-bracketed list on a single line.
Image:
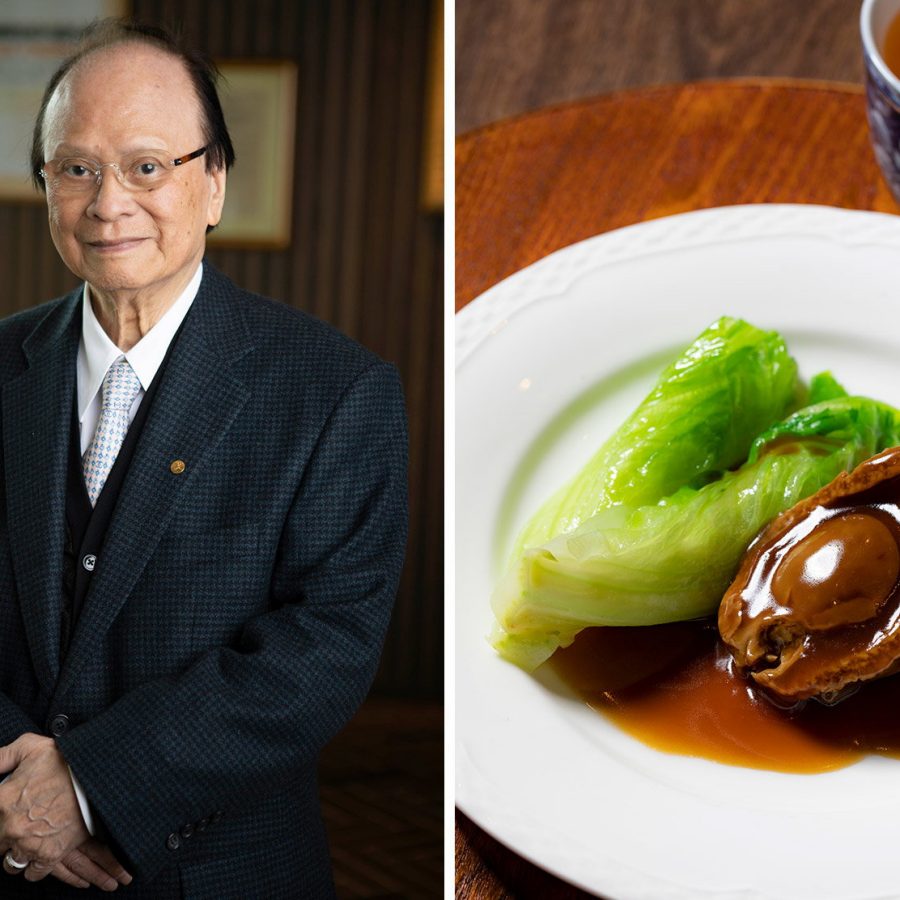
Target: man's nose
[(111, 195), (103, 176)]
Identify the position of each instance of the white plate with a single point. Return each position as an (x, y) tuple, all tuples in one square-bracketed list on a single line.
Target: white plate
[(548, 364)]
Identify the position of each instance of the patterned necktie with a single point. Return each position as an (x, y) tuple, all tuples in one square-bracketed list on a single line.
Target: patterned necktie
[(120, 387)]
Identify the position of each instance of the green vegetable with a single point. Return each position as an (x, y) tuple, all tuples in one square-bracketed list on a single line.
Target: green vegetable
[(824, 386), (699, 420), (673, 560)]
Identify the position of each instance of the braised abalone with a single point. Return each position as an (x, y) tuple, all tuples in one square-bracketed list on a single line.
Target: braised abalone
[(814, 610)]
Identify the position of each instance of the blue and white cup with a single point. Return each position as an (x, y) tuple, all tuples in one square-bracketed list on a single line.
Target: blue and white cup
[(882, 89)]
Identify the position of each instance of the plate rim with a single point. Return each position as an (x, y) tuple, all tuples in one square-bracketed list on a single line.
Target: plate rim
[(484, 314)]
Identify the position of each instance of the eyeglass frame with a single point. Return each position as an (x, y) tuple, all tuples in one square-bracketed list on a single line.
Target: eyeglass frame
[(98, 172)]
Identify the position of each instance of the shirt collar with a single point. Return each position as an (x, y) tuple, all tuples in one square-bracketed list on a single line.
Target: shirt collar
[(96, 352)]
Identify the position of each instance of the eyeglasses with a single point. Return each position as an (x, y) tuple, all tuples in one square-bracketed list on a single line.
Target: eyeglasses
[(141, 171)]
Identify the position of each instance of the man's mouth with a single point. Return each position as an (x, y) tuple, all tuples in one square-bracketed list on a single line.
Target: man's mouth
[(115, 245)]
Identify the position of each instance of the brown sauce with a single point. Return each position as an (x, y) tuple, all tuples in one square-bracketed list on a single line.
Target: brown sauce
[(826, 574), (788, 444), (673, 687)]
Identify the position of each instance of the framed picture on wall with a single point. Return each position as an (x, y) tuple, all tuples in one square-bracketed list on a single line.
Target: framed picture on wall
[(35, 37), (259, 100)]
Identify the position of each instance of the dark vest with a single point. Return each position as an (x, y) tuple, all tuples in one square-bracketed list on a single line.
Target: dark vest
[(86, 525)]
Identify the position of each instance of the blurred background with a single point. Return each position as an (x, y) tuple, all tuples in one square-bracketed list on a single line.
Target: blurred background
[(347, 156), (514, 57)]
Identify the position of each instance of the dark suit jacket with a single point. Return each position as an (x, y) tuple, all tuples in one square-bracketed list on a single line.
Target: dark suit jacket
[(237, 609)]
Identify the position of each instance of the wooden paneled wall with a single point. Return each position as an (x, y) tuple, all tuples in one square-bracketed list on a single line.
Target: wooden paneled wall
[(364, 255)]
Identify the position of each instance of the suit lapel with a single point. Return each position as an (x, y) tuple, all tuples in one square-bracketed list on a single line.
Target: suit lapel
[(197, 402), (37, 413)]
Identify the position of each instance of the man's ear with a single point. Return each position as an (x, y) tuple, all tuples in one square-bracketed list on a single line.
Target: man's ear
[(217, 179)]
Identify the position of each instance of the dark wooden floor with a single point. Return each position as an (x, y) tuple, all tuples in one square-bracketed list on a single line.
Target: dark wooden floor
[(382, 798), (517, 55)]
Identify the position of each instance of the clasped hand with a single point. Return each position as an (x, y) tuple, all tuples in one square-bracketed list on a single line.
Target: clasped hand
[(41, 822)]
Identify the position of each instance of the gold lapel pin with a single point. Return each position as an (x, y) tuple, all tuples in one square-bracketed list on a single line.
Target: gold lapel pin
[(177, 466)]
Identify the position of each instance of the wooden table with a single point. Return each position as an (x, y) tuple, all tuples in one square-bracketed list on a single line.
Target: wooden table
[(516, 56), (531, 185)]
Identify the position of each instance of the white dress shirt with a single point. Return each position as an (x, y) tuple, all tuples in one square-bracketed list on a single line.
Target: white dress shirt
[(96, 353)]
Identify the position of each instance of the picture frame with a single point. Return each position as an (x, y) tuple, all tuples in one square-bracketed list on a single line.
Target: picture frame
[(35, 37), (259, 99)]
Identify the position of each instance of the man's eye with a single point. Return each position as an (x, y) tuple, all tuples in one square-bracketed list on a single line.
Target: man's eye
[(76, 170), (147, 168)]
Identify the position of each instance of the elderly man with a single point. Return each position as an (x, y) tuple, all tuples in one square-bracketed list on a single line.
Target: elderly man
[(202, 519)]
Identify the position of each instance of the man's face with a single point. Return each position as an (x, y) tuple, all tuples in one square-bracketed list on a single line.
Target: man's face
[(127, 243)]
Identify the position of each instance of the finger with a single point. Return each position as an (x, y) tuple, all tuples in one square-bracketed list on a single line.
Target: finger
[(86, 868), (11, 755), (103, 857), (37, 871), (67, 876), (9, 863)]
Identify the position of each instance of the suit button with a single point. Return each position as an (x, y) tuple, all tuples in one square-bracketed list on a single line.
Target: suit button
[(59, 725), (187, 830), (202, 824), (173, 842), (89, 561)]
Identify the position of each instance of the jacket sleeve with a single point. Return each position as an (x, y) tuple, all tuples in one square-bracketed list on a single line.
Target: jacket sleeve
[(14, 722), (242, 718)]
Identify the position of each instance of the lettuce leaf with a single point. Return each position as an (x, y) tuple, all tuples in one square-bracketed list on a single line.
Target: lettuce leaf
[(699, 419), (673, 560)]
